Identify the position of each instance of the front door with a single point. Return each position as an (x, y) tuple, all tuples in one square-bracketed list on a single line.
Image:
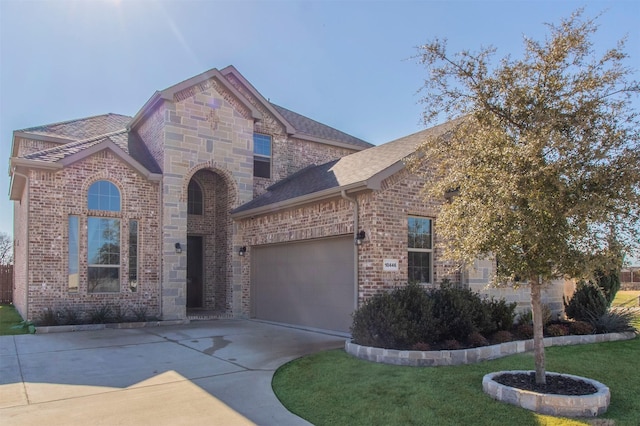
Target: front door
[(194, 272)]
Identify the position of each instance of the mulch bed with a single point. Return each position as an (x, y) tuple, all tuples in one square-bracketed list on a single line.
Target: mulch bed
[(558, 385)]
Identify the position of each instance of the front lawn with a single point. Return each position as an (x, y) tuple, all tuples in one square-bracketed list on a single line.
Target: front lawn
[(9, 320), (334, 388), (627, 298)]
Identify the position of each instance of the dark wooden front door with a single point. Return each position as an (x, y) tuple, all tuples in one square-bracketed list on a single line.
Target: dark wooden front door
[(194, 272)]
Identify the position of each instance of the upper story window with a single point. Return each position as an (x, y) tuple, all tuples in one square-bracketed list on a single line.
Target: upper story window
[(261, 155), (194, 198), (420, 247), (103, 195)]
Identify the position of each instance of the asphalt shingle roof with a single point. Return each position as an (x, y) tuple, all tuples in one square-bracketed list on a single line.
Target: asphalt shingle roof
[(309, 127), (87, 132), (83, 128), (349, 170)]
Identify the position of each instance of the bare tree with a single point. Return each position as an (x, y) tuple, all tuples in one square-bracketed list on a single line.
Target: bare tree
[(6, 249)]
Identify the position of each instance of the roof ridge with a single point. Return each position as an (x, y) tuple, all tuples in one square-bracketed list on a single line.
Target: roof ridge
[(72, 121)]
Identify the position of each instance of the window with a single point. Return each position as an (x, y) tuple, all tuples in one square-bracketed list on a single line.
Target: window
[(103, 239), (74, 253), (103, 195), (420, 254), (133, 255), (261, 155), (194, 198)]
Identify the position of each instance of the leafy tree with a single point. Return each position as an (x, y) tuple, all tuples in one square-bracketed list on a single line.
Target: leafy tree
[(6, 249), (542, 156)]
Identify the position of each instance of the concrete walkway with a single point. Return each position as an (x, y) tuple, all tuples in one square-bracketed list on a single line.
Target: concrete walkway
[(211, 372)]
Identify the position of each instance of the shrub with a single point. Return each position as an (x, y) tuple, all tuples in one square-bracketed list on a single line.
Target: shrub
[(71, 316), (502, 336), (546, 315), (421, 346), (100, 315), (556, 330), (460, 312), (502, 313), (587, 303), (609, 283), (476, 339), (140, 313), (48, 317), (119, 314), (525, 331), (451, 345), (614, 321), (398, 319), (525, 317), (580, 328)]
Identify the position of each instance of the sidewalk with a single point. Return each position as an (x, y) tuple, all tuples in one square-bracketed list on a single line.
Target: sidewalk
[(215, 372)]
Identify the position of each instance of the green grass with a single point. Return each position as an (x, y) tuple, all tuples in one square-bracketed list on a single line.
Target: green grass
[(627, 298), (9, 319), (334, 388)]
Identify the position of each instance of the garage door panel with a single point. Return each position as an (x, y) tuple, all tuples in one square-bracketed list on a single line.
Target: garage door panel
[(306, 283)]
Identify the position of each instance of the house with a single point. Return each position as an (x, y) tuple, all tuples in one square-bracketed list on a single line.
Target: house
[(213, 199)]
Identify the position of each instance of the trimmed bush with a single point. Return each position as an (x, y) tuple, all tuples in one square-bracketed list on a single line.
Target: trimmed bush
[(460, 312), (580, 328), (502, 336), (476, 339), (525, 331), (398, 319), (587, 303), (502, 313), (555, 330)]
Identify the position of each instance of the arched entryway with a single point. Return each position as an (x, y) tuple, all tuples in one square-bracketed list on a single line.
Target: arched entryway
[(208, 244)]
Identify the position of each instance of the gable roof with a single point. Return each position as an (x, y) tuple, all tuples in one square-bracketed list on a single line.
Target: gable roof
[(78, 139), (363, 170)]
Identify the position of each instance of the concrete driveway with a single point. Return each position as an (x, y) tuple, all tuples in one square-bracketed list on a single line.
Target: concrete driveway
[(211, 372)]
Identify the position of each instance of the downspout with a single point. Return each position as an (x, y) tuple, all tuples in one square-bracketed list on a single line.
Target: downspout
[(356, 213), (26, 283)]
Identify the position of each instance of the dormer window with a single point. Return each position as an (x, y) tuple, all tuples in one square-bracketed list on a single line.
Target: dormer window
[(261, 155)]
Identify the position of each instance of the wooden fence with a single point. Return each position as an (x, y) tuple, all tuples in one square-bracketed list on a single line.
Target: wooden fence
[(6, 283)]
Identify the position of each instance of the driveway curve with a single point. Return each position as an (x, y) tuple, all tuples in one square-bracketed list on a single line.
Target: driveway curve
[(208, 372)]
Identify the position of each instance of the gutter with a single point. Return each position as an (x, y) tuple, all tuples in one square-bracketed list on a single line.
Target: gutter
[(356, 214)]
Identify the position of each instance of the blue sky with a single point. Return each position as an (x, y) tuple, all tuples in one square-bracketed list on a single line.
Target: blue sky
[(345, 64)]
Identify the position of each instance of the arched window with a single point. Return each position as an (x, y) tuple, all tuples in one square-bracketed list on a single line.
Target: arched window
[(103, 195), (194, 198), (103, 239)]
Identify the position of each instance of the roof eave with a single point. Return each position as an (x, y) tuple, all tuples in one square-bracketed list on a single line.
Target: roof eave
[(310, 138), (110, 145), (33, 136), (302, 200)]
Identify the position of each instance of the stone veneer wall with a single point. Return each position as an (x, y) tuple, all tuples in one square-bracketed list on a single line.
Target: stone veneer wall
[(204, 127), (480, 275), (55, 196)]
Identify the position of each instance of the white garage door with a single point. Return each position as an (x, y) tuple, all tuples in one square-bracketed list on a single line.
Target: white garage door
[(307, 283)]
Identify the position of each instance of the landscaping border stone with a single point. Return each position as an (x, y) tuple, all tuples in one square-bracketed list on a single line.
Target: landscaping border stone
[(555, 405), (471, 355), (91, 327)]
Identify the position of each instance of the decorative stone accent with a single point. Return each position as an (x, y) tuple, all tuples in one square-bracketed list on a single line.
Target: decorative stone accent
[(471, 355), (555, 405)]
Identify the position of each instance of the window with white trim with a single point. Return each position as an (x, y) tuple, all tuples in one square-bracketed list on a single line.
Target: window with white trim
[(420, 250)]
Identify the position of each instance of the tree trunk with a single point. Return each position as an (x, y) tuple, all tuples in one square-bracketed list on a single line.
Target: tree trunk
[(538, 331)]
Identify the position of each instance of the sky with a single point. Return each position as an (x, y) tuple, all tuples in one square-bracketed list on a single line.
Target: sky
[(347, 64)]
